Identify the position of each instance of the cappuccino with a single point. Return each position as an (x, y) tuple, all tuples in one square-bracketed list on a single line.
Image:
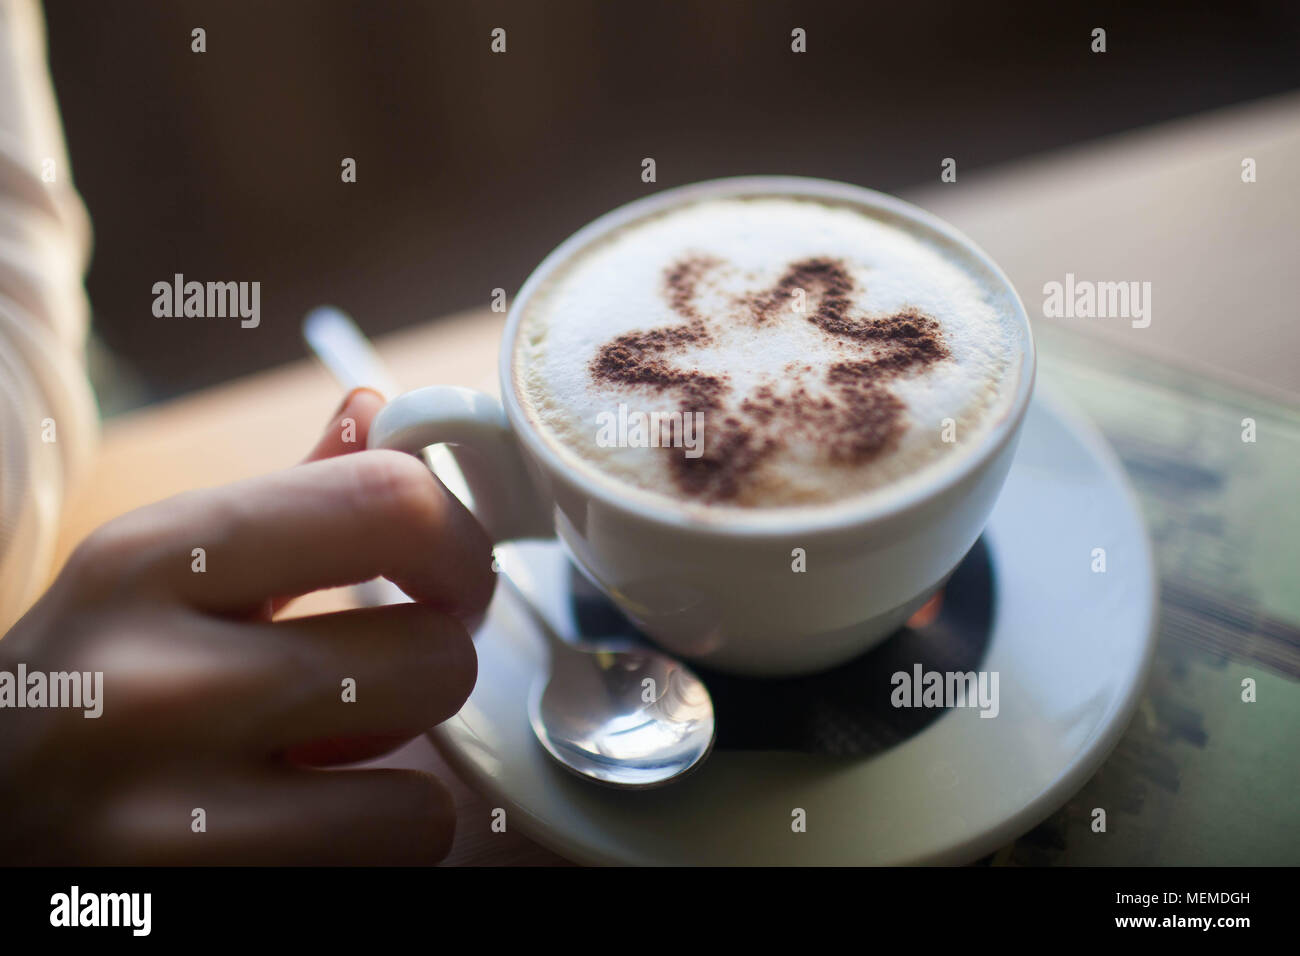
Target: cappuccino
[(825, 349)]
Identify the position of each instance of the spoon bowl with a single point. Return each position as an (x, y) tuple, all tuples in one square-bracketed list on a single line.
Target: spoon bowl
[(624, 716)]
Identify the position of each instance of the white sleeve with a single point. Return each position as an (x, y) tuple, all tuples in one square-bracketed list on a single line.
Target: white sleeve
[(48, 418)]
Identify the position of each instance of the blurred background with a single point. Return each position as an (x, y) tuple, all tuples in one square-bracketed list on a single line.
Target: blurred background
[(471, 165)]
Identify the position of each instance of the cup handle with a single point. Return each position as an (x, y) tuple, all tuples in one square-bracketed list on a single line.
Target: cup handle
[(506, 502)]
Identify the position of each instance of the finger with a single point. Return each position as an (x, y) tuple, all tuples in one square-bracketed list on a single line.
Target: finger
[(191, 684), (324, 524), (350, 426), (347, 432), (280, 816), (374, 672), (340, 750)]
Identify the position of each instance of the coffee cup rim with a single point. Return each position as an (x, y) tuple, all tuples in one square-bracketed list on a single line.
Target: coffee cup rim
[(889, 500)]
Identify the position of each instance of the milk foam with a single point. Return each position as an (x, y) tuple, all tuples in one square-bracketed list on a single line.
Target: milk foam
[(617, 285)]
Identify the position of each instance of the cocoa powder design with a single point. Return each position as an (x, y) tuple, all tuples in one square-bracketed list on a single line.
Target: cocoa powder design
[(854, 418)]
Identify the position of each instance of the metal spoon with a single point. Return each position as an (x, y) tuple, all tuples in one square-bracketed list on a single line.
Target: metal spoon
[(625, 716)]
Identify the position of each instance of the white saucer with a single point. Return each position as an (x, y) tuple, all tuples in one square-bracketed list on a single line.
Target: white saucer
[(1072, 648)]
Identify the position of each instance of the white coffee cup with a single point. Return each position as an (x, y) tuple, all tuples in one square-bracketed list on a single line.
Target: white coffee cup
[(725, 592)]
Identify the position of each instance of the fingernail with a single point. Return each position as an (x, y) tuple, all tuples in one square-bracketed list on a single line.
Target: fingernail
[(348, 398)]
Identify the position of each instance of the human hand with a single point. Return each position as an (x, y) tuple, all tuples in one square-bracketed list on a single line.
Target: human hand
[(210, 704)]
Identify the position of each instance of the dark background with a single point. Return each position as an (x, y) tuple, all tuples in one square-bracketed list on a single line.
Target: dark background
[(471, 165)]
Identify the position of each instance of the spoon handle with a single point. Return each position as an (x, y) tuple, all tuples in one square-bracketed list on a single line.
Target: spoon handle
[(345, 351)]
